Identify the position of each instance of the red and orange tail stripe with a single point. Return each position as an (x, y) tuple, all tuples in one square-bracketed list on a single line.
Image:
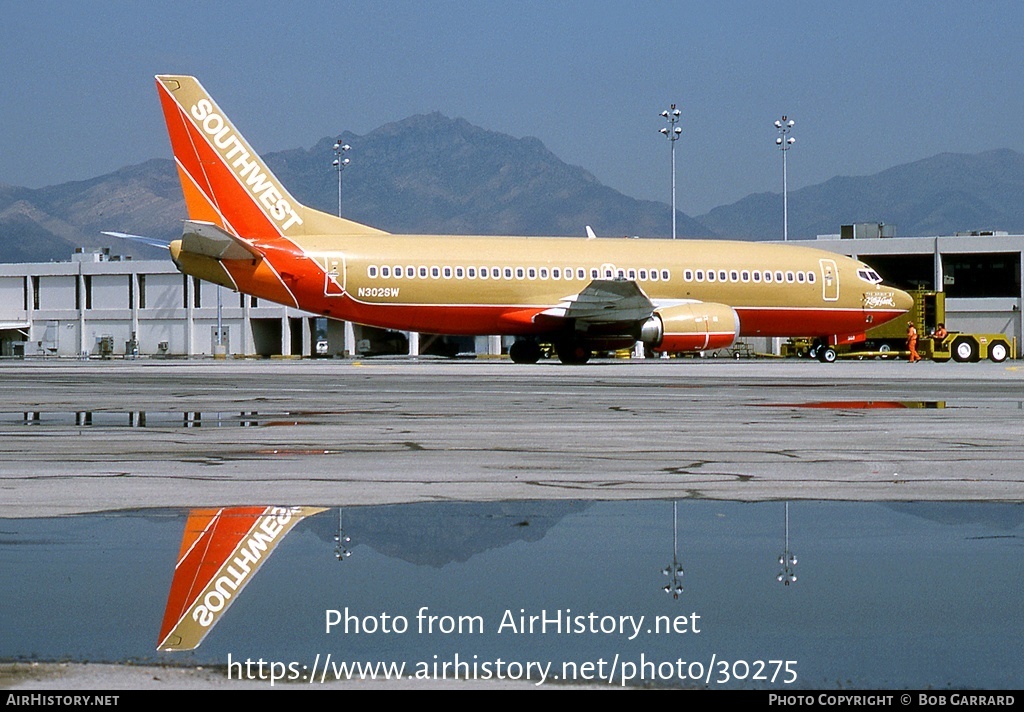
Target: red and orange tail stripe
[(225, 182), (221, 551)]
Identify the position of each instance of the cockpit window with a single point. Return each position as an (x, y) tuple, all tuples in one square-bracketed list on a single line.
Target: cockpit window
[(869, 275)]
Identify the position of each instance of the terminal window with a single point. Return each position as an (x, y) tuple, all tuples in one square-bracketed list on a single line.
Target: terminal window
[(995, 274)]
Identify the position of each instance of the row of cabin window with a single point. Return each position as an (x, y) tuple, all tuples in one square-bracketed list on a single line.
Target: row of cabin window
[(757, 276), (568, 273)]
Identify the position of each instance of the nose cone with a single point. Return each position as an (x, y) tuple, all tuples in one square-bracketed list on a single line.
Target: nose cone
[(904, 302)]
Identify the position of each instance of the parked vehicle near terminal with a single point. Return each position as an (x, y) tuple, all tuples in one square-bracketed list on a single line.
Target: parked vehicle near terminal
[(890, 339)]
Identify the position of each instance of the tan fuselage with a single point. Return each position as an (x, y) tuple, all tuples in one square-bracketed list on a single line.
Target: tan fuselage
[(496, 285)]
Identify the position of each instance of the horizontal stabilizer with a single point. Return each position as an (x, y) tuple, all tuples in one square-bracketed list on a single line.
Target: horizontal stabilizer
[(152, 241), (207, 239)]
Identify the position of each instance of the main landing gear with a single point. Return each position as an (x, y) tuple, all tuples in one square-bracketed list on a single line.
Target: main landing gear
[(568, 351), (524, 351), (822, 351)]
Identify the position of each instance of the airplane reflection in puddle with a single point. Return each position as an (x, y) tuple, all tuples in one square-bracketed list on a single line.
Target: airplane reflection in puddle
[(223, 548), (221, 551), (94, 587)]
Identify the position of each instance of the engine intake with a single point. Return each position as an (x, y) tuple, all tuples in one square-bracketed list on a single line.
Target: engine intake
[(701, 326)]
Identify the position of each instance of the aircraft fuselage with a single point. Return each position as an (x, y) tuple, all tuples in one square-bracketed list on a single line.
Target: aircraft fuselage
[(495, 285)]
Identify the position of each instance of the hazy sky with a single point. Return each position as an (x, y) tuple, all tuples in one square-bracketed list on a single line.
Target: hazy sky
[(871, 84)]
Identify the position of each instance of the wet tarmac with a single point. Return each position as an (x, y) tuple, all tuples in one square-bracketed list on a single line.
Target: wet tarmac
[(97, 436), (768, 595), (475, 488)]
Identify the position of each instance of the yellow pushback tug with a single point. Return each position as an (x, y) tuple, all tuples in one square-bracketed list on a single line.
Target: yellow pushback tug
[(890, 339)]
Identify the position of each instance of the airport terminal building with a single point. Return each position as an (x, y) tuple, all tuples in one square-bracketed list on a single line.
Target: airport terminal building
[(102, 305)]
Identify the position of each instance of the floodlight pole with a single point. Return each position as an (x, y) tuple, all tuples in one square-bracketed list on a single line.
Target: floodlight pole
[(340, 161), (787, 559), (672, 134), (784, 141), (674, 587)]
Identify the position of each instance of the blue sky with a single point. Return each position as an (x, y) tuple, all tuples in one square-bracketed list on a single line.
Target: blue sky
[(870, 84)]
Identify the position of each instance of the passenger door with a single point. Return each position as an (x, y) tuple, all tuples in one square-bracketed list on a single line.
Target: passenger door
[(829, 280)]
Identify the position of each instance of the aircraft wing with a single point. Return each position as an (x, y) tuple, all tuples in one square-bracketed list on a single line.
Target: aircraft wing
[(605, 301)]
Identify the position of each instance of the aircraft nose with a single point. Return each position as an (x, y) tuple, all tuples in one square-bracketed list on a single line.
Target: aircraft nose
[(903, 300)]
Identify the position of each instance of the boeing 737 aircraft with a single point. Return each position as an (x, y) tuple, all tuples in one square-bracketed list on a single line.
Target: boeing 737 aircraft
[(246, 232)]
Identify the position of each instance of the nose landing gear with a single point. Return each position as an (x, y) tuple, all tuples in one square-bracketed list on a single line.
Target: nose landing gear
[(822, 351)]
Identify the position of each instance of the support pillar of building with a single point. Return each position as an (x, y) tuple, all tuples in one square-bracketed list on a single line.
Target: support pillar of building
[(246, 348), (30, 307), (190, 316), (83, 347), (286, 334), (349, 347), (1020, 309), (307, 338), (136, 299)]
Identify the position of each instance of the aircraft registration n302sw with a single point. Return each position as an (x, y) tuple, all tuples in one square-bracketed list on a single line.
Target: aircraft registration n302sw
[(246, 232)]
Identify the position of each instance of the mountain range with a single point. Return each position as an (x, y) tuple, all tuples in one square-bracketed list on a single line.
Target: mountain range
[(433, 174)]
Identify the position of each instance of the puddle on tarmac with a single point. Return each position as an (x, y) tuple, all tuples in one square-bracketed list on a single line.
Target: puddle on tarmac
[(251, 419), (163, 419), (893, 404), (862, 405), (885, 596)]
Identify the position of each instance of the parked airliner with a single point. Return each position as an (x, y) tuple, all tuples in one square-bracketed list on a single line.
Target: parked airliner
[(246, 232)]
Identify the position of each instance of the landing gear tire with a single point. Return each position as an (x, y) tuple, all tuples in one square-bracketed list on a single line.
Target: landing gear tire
[(998, 352), (815, 350), (569, 352), (524, 351), (827, 354), (965, 350)]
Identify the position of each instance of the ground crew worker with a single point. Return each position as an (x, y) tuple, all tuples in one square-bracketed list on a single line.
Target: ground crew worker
[(912, 342), (940, 332)]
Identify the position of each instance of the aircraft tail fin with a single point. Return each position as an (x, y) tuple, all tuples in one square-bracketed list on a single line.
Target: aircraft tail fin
[(225, 181), (221, 551)]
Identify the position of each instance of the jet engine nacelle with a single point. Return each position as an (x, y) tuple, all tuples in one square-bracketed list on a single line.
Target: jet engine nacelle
[(700, 326)]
